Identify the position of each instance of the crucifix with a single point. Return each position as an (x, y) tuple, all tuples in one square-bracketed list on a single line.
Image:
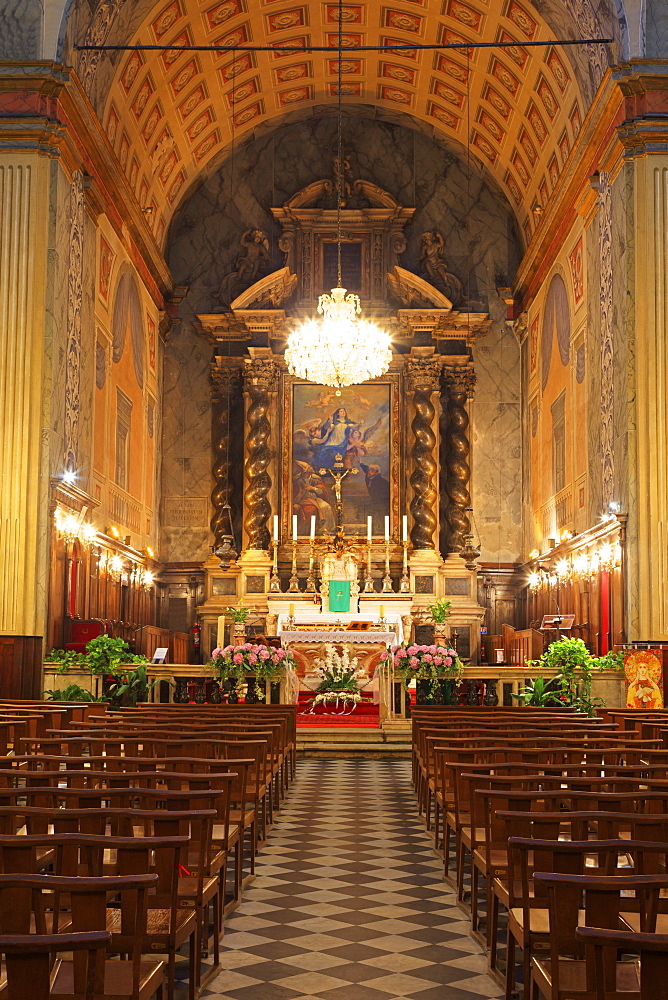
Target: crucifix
[(338, 472)]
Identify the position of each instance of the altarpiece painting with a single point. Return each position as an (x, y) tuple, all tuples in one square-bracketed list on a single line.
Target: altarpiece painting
[(361, 425)]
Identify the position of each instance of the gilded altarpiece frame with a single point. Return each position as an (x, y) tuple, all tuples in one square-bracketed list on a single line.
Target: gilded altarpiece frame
[(369, 434)]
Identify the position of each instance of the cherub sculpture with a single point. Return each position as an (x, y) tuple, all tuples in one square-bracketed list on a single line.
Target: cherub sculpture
[(434, 267), (252, 262)]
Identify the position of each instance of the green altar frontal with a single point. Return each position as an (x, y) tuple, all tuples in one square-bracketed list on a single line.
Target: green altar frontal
[(339, 595)]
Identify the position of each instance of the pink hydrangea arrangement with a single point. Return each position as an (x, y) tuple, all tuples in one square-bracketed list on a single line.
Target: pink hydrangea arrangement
[(265, 662), (414, 662)]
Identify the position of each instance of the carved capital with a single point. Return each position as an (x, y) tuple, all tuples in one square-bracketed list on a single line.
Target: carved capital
[(459, 379), (224, 381), (261, 374), (422, 374)]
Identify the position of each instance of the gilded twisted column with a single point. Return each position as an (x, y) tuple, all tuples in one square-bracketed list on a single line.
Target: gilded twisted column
[(422, 379), (459, 382), (260, 378), (224, 383)]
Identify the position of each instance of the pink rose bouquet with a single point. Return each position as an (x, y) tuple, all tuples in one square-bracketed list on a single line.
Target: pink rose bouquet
[(415, 662), (264, 662)]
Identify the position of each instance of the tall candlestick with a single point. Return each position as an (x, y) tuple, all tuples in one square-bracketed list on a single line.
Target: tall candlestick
[(275, 527), (294, 527), (405, 584), (220, 634), (368, 583), (387, 527), (291, 610), (369, 528), (310, 579), (294, 579), (387, 579), (404, 528), (312, 526)]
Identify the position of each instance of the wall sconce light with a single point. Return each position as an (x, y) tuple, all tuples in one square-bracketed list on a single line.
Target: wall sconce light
[(566, 535), (113, 531), (147, 578), (149, 552), (534, 581), (563, 569), (534, 554), (116, 565), (88, 533), (69, 476)]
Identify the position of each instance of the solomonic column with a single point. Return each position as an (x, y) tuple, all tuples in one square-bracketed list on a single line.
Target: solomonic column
[(422, 381), (225, 383), (260, 380), (459, 383)]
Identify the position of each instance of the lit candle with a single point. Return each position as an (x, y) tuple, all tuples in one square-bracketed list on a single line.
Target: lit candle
[(369, 528), (275, 527), (294, 527), (291, 610), (220, 634), (312, 526), (387, 527), (404, 528), (382, 611)]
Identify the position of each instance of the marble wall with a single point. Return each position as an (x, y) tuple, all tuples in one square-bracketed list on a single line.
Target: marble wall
[(21, 35), (186, 439), (482, 248)]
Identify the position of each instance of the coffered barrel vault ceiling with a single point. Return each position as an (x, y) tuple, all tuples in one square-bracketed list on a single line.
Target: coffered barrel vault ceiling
[(170, 115)]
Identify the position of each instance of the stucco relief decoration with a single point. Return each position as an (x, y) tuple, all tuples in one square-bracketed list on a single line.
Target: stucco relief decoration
[(433, 265), (534, 420), (74, 295), (97, 33), (576, 264), (100, 365), (605, 296), (583, 14), (580, 364), (107, 258), (556, 321), (128, 313), (252, 262), (533, 344), (150, 337)]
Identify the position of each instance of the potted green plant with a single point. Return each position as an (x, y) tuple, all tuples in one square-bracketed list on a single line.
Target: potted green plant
[(239, 616), (439, 611), (131, 685), (234, 662), (574, 666), (540, 692), (73, 692)]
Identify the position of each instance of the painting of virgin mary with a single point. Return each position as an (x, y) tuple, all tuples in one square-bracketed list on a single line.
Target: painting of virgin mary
[(355, 426), (331, 438)]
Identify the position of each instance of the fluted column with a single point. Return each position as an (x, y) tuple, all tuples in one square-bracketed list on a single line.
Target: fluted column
[(25, 294), (260, 379), (422, 380), (225, 382), (459, 383)]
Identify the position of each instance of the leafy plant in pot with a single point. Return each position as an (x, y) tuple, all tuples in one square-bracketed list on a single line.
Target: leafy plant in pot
[(439, 612), (574, 667)]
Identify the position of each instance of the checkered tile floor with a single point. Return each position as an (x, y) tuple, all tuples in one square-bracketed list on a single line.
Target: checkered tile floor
[(349, 902)]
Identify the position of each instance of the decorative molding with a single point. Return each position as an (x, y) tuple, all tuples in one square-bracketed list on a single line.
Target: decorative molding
[(260, 374), (606, 339), (74, 295), (422, 374), (460, 378)]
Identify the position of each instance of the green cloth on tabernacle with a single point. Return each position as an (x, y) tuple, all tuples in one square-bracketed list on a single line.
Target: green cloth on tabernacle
[(339, 595)]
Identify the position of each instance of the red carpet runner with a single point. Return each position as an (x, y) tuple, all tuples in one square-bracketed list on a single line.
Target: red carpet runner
[(365, 713)]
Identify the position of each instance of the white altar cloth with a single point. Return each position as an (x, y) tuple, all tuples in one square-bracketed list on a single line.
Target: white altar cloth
[(304, 635), (391, 633)]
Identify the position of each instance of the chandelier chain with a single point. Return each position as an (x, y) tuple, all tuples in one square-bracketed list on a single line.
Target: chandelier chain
[(339, 151)]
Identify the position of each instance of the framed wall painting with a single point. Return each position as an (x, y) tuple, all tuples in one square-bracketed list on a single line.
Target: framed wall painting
[(362, 426), (643, 672)]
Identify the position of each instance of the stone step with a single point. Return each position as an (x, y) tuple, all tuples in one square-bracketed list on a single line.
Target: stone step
[(353, 740)]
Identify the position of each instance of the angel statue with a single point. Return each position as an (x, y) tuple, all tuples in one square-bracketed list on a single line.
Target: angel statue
[(434, 267), (252, 262)]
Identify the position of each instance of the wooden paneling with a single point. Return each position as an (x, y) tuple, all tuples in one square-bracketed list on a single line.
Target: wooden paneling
[(20, 666)]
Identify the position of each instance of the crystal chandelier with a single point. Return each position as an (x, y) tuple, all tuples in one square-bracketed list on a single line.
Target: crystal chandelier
[(339, 349)]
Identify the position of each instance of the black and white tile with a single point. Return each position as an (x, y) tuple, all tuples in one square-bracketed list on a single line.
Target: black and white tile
[(349, 901)]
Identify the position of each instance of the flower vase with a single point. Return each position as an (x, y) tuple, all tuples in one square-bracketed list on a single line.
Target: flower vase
[(238, 633), (441, 633), (251, 691), (233, 698), (181, 695), (423, 692)]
